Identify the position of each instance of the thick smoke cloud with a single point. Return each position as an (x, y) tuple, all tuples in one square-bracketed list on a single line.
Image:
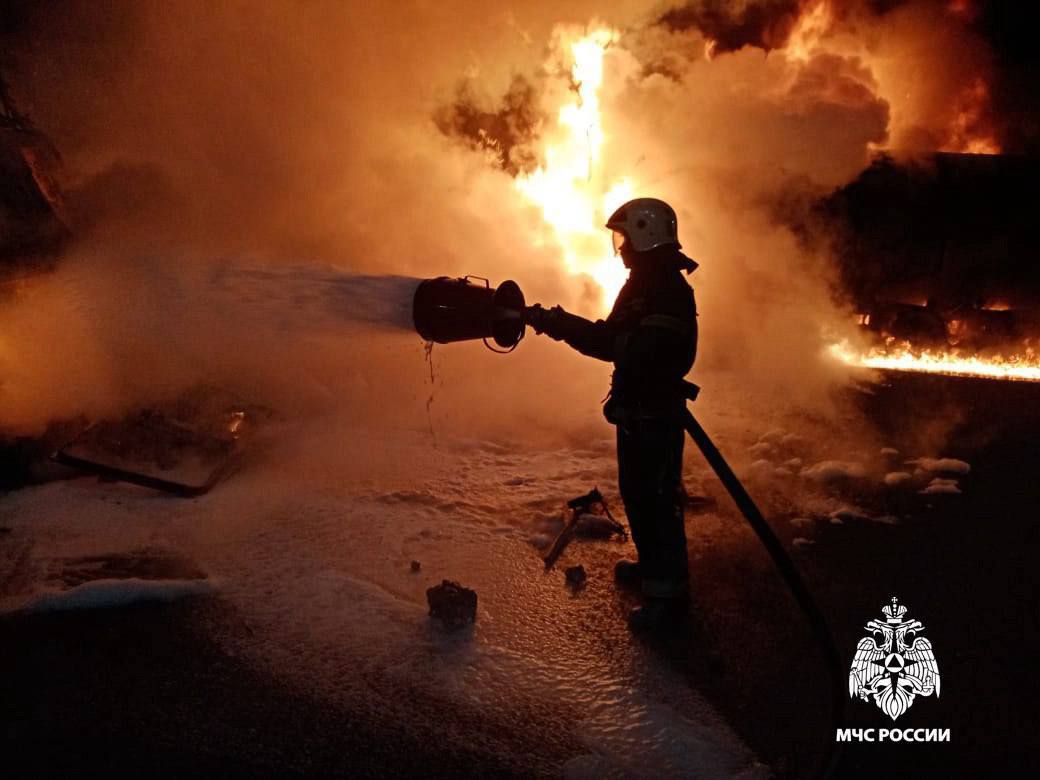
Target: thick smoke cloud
[(732, 26), (505, 132), (200, 139), (242, 141), (956, 71)]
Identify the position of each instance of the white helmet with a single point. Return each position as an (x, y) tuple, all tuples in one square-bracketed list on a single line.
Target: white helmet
[(644, 223)]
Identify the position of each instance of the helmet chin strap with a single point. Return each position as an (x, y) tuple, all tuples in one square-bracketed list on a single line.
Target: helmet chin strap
[(654, 258)]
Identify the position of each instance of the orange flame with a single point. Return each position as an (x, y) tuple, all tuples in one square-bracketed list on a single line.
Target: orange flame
[(810, 28), (1023, 366), (569, 188), (965, 133)]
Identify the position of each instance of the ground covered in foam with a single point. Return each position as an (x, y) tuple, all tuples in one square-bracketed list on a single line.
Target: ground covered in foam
[(277, 624), (318, 592)]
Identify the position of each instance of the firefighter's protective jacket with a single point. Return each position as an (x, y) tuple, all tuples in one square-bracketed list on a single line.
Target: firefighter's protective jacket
[(650, 336)]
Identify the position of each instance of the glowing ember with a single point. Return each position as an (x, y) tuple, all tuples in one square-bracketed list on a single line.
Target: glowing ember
[(1024, 366), (571, 191)]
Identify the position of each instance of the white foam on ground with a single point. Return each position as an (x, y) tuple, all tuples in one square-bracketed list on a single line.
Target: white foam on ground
[(898, 478), (315, 562), (942, 465), (941, 486), (106, 594), (831, 470)]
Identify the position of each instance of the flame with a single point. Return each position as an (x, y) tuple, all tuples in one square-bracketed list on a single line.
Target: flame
[(965, 133), (575, 195), (1023, 366), (811, 26), (968, 125), (569, 187)]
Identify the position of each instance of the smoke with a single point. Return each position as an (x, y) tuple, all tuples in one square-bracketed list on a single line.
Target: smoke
[(732, 26), (336, 150), (752, 133), (505, 132), (954, 73), (727, 140), (293, 137), (117, 332)]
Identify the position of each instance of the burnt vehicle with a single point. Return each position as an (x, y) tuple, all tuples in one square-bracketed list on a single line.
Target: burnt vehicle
[(33, 232), (941, 251), (184, 446), (33, 229)]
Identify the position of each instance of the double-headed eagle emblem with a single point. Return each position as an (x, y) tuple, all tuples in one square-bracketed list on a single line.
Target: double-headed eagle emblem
[(893, 672)]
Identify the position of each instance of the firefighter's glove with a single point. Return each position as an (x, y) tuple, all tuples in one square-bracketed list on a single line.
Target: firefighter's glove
[(541, 319)]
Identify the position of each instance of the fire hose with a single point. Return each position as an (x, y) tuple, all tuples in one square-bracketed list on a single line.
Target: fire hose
[(788, 571), (447, 310)]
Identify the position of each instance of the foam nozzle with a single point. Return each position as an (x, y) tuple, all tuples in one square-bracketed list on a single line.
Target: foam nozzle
[(446, 310)]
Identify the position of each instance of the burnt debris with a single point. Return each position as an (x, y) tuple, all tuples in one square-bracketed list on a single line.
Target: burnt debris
[(576, 576), (939, 250), (452, 604)]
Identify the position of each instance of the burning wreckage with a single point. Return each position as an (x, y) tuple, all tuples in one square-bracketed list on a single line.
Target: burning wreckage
[(935, 255), (938, 258), (33, 225), (184, 446)]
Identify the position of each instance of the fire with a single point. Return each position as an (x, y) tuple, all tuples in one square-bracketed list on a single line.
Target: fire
[(968, 125), (810, 28), (569, 187), (967, 131), (574, 191), (1023, 366)]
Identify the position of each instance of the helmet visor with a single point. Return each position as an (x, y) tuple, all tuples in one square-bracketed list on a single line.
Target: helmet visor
[(618, 239)]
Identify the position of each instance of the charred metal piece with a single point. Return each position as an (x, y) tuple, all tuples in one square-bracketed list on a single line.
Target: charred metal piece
[(938, 251), (452, 604), (184, 448), (576, 576), (581, 506), (32, 212)]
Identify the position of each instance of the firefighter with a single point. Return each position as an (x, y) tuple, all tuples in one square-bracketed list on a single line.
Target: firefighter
[(650, 336)]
